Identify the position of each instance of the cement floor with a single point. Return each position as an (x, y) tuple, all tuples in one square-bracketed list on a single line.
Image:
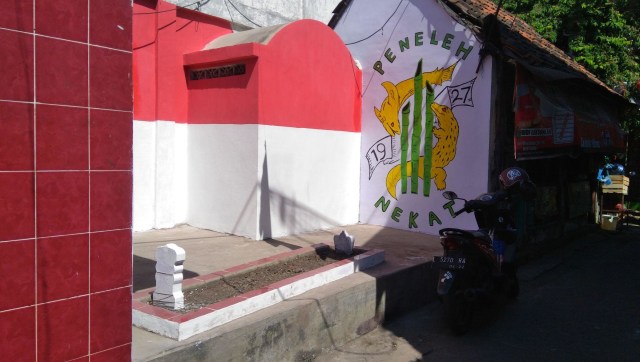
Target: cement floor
[(209, 251)]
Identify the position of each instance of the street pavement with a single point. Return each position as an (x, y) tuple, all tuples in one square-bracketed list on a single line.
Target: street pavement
[(577, 303)]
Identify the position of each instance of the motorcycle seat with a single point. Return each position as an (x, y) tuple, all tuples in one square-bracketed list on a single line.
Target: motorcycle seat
[(480, 235)]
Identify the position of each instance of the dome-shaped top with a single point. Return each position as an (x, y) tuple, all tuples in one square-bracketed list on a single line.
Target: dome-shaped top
[(260, 35)]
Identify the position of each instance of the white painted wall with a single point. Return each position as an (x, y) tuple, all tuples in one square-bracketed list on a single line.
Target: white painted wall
[(223, 181), (264, 13), (144, 172), (160, 174), (414, 31), (267, 181), (313, 177)]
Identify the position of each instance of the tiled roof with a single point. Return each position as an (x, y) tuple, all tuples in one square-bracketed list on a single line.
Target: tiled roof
[(518, 40)]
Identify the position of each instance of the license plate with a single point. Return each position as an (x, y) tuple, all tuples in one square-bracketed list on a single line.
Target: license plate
[(449, 262)]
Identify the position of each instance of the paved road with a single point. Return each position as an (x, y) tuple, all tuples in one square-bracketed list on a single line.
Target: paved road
[(580, 303)]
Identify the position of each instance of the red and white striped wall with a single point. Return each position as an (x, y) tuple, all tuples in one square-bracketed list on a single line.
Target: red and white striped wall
[(254, 133)]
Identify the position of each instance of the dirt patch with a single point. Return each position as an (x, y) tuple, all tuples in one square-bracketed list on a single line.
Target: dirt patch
[(235, 285)]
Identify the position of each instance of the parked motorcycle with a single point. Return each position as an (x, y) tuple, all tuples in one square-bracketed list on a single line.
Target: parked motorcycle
[(474, 266)]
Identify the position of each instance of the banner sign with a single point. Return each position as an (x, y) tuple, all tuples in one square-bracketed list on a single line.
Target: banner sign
[(550, 122)]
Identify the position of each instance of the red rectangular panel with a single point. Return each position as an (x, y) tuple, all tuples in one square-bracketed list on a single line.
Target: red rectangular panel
[(111, 140), (61, 72), (16, 205), (62, 138), (110, 260), (111, 23), (110, 79), (110, 319), (65, 19), (16, 138), (18, 335), (19, 262), (63, 267), (16, 65), (63, 329), (63, 203), (111, 200)]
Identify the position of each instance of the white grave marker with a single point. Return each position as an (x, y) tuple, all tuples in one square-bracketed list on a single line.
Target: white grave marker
[(343, 243), (169, 267)]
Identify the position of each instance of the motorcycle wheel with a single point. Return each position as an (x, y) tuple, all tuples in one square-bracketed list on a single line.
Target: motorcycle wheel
[(459, 312)]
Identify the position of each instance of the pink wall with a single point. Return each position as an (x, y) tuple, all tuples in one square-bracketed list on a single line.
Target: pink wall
[(310, 80), (162, 33), (65, 180), (303, 77), (225, 100)]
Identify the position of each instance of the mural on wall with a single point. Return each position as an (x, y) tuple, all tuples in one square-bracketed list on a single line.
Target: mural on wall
[(426, 111), (432, 162)]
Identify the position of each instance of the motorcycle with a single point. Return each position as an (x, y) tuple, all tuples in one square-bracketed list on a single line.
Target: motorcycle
[(473, 266)]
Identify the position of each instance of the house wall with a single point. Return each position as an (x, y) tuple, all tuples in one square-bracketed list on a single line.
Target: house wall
[(264, 181), (275, 151), (65, 180), (205, 150), (390, 42), (162, 33)]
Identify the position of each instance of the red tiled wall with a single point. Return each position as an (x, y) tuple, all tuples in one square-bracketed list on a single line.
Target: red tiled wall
[(65, 180)]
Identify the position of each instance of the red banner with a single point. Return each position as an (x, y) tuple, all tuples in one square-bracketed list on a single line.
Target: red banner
[(551, 120)]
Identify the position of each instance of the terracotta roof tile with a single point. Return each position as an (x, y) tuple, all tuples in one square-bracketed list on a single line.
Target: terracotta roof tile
[(519, 40)]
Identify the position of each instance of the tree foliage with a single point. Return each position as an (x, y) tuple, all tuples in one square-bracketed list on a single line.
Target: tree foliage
[(602, 35)]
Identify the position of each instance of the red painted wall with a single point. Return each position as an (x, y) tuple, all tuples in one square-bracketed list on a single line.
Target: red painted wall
[(65, 180), (309, 80), (162, 33), (304, 77), (226, 100)]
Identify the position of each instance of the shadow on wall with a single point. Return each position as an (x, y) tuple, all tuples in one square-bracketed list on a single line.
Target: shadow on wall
[(264, 221), (145, 273), (290, 212)]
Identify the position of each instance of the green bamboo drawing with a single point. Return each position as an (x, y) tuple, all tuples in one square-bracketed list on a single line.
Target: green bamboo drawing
[(428, 140), (404, 146), (417, 127)]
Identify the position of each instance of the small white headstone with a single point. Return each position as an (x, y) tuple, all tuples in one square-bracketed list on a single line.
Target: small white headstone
[(343, 243), (169, 266)]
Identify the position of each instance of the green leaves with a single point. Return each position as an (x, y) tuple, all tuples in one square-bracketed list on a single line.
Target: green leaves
[(602, 35)]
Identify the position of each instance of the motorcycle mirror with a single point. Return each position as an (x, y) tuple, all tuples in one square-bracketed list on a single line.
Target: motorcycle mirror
[(449, 195)]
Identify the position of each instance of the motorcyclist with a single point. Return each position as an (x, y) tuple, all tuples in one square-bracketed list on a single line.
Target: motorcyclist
[(517, 186)]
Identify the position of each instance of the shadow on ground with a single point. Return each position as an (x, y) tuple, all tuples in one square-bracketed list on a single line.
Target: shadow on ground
[(145, 275)]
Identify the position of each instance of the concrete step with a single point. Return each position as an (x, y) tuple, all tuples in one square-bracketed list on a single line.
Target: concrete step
[(299, 328)]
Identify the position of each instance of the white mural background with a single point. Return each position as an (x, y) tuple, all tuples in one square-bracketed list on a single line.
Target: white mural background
[(389, 38)]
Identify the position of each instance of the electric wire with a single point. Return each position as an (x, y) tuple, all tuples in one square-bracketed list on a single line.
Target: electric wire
[(165, 11), (379, 29), (155, 39), (366, 87), (239, 12), (229, 11)]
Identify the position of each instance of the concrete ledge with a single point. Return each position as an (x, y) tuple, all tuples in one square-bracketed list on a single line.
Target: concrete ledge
[(180, 326), (287, 331), (321, 318)]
